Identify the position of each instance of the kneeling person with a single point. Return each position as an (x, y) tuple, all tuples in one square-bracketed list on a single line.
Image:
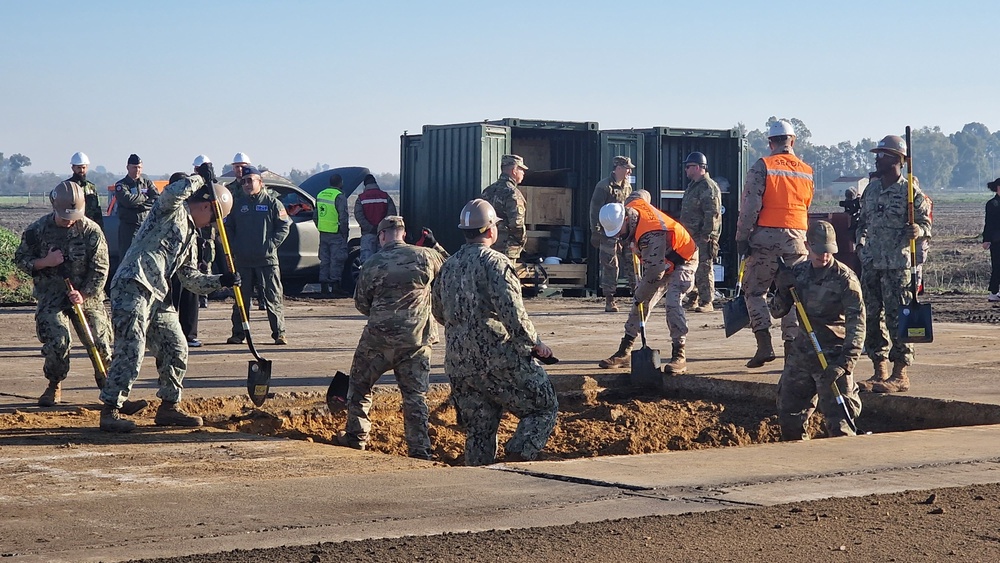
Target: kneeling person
[(831, 296)]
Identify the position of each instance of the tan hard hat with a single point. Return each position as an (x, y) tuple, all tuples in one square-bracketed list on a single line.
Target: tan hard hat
[(893, 144), (68, 201), (478, 215), (221, 194)]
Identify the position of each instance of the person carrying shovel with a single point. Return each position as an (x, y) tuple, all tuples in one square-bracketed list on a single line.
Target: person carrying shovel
[(669, 260), (830, 295)]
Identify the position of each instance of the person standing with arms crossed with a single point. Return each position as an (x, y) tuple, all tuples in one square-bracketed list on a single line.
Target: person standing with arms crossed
[(701, 215)]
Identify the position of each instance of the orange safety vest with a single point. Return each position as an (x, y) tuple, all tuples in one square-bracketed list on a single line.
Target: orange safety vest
[(788, 191), (652, 219)]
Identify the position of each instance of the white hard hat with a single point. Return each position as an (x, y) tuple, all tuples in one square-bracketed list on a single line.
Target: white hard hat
[(241, 158), (781, 128), (200, 159), (79, 159), (612, 218)]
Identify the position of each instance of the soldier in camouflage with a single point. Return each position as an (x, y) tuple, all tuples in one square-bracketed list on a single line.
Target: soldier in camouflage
[(772, 223), (79, 163), (613, 189), (63, 245), (883, 246), (165, 245), (701, 215), (510, 206), (394, 292), (134, 197), (489, 346), (831, 295)]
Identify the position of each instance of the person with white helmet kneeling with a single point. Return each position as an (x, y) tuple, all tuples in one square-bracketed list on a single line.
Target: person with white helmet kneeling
[(669, 258)]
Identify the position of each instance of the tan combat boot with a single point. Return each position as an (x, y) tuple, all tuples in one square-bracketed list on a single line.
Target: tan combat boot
[(677, 364), (112, 421), (705, 308), (765, 351), (169, 414), (881, 374), (623, 357), (897, 382), (51, 395), (609, 304)]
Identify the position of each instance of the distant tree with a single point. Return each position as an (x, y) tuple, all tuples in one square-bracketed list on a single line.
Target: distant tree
[(934, 158), (388, 181), (971, 168)]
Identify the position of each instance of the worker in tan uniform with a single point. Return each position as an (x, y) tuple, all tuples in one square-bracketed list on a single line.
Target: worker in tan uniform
[(613, 254), (774, 216)]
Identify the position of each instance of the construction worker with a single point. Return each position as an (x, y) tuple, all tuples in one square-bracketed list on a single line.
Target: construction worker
[(613, 189), (240, 161), (883, 246), (772, 223), (165, 245), (134, 197), (334, 228), (79, 164), (831, 295), (394, 292), (669, 258), (65, 244), (489, 345), (257, 227), (510, 206), (701, 215), (371, 206)]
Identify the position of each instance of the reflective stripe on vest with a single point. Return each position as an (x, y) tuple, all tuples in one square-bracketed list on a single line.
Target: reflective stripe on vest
[(652, 219), (375, 205), (328, 220), (788, 191)]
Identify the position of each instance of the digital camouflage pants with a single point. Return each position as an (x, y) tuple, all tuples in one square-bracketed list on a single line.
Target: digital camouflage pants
[(268, 280), (332, 256), (885, 292), (762, 266), (615, 256), (52, 329)]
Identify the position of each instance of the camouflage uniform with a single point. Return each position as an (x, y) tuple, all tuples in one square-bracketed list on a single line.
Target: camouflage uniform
[(167, 244), (832, 300), (394, 292), (613, 252), (766, 245), (701, 215), (93, 209), (509, 204), (85, 252), (489, 339), (653, 248), (256, 228), (884, 250), (134, 199)]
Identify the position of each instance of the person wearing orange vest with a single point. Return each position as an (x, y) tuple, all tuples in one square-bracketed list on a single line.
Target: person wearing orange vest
[(669, 258), (774, 216), (370, 208)]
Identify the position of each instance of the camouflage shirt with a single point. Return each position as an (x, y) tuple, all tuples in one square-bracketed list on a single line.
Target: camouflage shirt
[(85, 255), (256, 227), (477, 297), (607, 191), (510, 206), (785, 241), (394, 292), (92, 197), (134, 199), (832, 300), (701, 210), (882, 242), (167, 244)]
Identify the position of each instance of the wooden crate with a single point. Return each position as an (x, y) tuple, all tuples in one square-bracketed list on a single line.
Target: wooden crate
[(537, 242), (560, 276), (547, 205)]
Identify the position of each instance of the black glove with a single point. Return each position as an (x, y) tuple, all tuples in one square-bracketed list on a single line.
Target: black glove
[(230, 280), (429, 240), (743, 247), (785, 279), (207, 172)]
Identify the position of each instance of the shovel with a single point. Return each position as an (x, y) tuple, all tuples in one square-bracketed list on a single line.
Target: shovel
[(645, 361), (100, 370), (336, 394), (259, 369), (915, 318), (735, 316)]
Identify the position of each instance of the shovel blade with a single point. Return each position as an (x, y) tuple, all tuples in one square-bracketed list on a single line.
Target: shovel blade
[(259, 380), (336, 394), (916, 323), (735, 316), (646, 372)]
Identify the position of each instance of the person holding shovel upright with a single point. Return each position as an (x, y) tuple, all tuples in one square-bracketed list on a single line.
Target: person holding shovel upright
[(166, 244), (669, 259), (883, 245), (830, 294)]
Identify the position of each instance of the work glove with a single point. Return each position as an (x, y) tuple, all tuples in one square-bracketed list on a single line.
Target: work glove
[(913, 231), (785, 279), (743, 247), (230, 279), (207, 173), (832, 373), (429, 240)]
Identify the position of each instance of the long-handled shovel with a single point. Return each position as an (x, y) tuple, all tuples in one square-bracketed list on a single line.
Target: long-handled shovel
[(100, 370), (259, 371), (645, 361), (735, 316), (819, 354), (915, 319)]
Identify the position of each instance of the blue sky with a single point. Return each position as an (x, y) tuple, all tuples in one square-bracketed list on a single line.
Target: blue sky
[(296, 83)]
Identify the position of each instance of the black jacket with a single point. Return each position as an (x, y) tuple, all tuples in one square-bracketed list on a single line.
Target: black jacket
[(991, 231)]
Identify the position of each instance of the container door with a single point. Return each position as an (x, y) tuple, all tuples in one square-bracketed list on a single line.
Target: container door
[(618, 143)]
